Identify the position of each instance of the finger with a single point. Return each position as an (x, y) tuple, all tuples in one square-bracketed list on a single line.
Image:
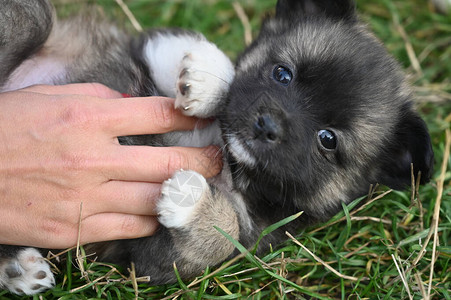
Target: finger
[(151, 115), (113, 226), (138, 198), (87, 89), (156, 164), (131, 116)]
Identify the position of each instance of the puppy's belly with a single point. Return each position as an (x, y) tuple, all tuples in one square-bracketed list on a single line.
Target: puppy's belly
[(36, 70)]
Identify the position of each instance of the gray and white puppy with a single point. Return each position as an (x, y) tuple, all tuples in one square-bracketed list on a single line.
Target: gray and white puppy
[(316, 112)]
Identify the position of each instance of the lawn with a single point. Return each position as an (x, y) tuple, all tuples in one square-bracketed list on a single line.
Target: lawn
[(394, 246)]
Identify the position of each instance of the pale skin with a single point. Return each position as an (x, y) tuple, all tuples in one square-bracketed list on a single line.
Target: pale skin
[(59, 149)]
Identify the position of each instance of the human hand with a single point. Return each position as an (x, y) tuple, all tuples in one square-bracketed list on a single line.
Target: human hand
[(59, 149)]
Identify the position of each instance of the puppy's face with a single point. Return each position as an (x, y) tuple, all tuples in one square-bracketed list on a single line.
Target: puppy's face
[(318, 111)]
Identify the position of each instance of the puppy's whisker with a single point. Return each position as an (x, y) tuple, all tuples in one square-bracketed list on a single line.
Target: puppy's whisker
[(227, 82)]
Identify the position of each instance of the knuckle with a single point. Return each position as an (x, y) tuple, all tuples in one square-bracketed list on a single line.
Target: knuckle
[(129, 225), (80, 114), (58, 232), (76, 115), (52, 227), (75, 162), (71, 194), (166, 114), (100, 90), (176, 161)]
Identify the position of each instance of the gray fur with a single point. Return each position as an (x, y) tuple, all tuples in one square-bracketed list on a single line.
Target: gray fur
[(25, 25)]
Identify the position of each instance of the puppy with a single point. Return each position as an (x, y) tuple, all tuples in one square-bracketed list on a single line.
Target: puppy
[(314, 111)]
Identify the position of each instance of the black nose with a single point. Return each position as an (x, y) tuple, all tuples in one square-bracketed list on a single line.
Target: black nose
[(266, 129)]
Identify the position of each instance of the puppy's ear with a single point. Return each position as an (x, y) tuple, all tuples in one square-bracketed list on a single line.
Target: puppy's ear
[(412, 144), (294, 9)]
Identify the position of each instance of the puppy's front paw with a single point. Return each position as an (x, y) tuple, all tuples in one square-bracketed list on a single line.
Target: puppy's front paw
[(179, 197), (204, 80), (27, 273)]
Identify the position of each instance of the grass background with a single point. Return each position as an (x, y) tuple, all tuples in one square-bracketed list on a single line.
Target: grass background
[(374, 249)]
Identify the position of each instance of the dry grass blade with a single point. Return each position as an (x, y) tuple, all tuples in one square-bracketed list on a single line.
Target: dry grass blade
[(79, 257), (420, 285), (402, 275), (222, 286), (436, 216), (412, 187), (320, 260), (245, 21), (133, 280), (51, 256), (448, 118), (432, 93), (227, 264), (260, 289), (130, 15), (353, 212), (272, 264), (93, 282), (375, 219), (408, 46), (373, 189), (418, 202)]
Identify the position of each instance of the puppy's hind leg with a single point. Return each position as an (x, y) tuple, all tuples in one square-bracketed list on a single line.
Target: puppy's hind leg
[(190, 209), (25, 26)]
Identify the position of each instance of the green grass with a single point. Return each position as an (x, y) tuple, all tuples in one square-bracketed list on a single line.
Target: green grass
[(362, 245)]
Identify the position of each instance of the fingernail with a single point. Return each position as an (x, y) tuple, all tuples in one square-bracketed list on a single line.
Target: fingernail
[(126, 95)]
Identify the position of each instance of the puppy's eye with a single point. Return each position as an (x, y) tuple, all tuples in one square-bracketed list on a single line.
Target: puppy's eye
[(282, 74), (327, 139)]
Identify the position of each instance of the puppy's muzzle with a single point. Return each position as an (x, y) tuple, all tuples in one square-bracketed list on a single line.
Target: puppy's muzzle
[(267, 128)]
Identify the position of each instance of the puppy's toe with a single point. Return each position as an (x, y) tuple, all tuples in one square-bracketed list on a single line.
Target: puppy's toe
[(203, 82), (27, 273), (179, 197)]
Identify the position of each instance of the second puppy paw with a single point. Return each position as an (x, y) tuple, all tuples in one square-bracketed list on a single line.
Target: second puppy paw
[(179, 197)]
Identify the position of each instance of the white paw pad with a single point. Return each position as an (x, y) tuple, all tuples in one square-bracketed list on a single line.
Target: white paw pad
[(178, 198), (28, 273), (204, 80)]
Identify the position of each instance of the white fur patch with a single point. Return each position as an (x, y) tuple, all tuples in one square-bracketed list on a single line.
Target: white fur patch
[(210, 135), (36, 70), (190, 69), (179, 197), (204, 81), (164, 53), (240, 153), (31, 273)]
